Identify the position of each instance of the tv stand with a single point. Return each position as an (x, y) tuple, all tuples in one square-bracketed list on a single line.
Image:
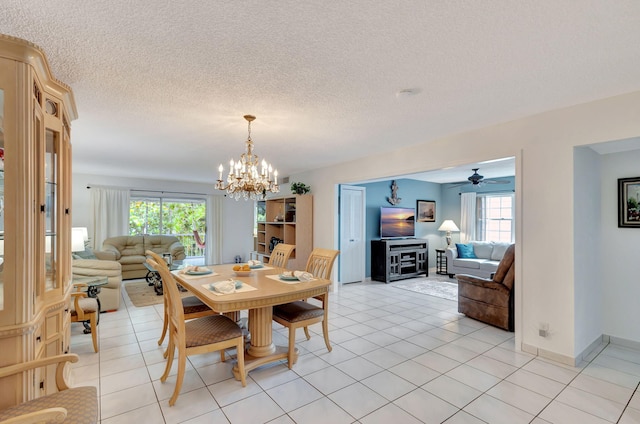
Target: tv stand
[(396, 259)]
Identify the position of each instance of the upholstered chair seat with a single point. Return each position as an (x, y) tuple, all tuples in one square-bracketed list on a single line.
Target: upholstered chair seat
[(78, 405)]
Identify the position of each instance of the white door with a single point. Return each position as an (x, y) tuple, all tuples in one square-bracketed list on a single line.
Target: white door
[(352, 234)]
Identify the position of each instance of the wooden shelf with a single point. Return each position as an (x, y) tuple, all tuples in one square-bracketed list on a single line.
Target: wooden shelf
[(289, 219)]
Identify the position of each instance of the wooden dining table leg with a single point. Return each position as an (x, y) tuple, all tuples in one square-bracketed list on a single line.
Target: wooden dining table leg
[(261, 350)]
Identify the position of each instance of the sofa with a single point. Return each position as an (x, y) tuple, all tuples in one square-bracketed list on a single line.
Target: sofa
[(490, 300), (129, 251), (110, 293), (488, 255)]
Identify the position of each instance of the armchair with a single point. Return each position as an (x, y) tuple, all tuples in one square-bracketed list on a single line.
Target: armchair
[(78, 405), (490, 300), (110, 293)]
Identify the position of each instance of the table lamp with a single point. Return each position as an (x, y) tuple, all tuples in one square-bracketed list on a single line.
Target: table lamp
[(448, 225)]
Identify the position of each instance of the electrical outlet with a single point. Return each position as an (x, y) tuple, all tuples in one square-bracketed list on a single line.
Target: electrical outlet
[(543, 330)]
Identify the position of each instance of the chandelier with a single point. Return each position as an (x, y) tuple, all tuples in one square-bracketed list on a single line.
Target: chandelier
[(244, 179)]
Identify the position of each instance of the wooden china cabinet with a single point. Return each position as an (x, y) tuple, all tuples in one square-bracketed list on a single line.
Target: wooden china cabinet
[(35, 217)]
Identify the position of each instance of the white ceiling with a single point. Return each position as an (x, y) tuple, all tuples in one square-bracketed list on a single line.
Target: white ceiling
[(161, 86)]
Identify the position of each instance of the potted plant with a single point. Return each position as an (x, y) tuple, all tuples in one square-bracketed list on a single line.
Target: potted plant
[(300, 188)]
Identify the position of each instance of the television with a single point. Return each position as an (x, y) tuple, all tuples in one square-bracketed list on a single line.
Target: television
[(397, 222)]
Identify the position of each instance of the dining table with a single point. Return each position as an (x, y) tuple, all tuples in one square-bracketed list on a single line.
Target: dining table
[(258, 292)]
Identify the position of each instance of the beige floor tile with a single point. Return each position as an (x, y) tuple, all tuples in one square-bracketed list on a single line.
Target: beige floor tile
[(494, 411), (426, 407), (294, 394), (259, 408), (558, 412), (123, 380), (519, 397), (358, 400), (126, 400), (388, 385)]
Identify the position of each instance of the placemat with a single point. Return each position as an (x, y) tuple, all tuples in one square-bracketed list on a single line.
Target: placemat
[(277, 278), (190, 277), (245, 288)]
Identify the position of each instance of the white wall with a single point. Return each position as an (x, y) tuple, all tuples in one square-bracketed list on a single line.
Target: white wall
[(587, 238), (620, 247), (543, 147), (237, 237)]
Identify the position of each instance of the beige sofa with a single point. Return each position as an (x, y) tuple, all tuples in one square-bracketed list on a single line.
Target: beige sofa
[(110, 293), (129, 251), (488, 256)]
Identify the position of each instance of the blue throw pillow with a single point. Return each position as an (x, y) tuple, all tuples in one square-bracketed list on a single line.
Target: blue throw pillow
[(465, 251)]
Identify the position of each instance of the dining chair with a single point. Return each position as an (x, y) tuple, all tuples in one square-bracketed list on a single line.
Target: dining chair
[(69, 405), (191, 305), (85, 309), (301, 313), (280, 255), (200, 335)]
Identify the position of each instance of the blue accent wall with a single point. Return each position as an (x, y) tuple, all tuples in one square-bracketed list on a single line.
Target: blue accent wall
[(446, 196), (409, 191)]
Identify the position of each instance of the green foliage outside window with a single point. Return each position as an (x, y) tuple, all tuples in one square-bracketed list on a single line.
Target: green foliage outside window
[(164, 216)]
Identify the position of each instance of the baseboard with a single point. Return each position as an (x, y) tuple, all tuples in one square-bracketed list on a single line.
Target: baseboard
[(594, 348), (624, 342), (560, 358)]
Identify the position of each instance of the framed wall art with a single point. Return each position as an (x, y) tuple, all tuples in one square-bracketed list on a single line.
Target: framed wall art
[(629, 202), (426, 211)]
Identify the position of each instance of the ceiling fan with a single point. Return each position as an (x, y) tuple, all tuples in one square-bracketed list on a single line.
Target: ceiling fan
[(478, 180)]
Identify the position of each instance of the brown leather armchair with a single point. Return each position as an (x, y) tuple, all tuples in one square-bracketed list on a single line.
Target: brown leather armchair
[(490, 300)]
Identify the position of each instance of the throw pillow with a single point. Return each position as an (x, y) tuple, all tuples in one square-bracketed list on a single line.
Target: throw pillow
[(465, 251), (86, 254)]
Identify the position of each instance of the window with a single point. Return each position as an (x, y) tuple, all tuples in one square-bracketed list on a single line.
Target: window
[(175, 216), (495, 217)]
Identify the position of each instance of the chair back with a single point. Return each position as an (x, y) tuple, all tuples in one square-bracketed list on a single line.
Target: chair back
[(175, 310), (320, 262), (280, 255), (505, 273)]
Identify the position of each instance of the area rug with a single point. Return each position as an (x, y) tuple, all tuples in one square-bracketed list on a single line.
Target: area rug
[(142, 294), (442, 287)]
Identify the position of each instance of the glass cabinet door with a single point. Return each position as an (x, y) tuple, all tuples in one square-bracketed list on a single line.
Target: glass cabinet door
[(51, 208)]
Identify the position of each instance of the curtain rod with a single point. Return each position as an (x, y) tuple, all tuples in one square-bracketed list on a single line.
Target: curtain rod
[(489, 192), (144, 190)]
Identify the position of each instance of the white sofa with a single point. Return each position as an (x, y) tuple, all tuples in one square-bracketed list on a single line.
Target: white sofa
[(488, 255)]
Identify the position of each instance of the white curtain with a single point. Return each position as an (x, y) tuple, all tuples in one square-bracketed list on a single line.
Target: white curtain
[(109, 214), (213, 236), (467, 217)]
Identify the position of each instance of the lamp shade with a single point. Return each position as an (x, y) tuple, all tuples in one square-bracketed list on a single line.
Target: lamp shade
[(448, 225), (77, 239)]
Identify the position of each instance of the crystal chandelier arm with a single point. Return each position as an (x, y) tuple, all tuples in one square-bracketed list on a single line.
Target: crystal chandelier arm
[(244, 178)]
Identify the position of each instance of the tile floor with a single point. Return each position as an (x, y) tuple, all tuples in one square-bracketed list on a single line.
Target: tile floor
[(398, 356)]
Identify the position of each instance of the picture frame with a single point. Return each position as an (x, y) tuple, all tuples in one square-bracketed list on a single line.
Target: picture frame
[(629, 202), (426, 211)]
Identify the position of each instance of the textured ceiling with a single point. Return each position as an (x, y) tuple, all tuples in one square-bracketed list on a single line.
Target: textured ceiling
[(161, 86)]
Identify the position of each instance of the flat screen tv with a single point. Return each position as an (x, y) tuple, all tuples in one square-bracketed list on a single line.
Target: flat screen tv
[(397, 222)]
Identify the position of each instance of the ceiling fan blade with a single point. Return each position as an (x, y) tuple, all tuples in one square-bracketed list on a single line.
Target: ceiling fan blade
[(496, 181), (458, 185)]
